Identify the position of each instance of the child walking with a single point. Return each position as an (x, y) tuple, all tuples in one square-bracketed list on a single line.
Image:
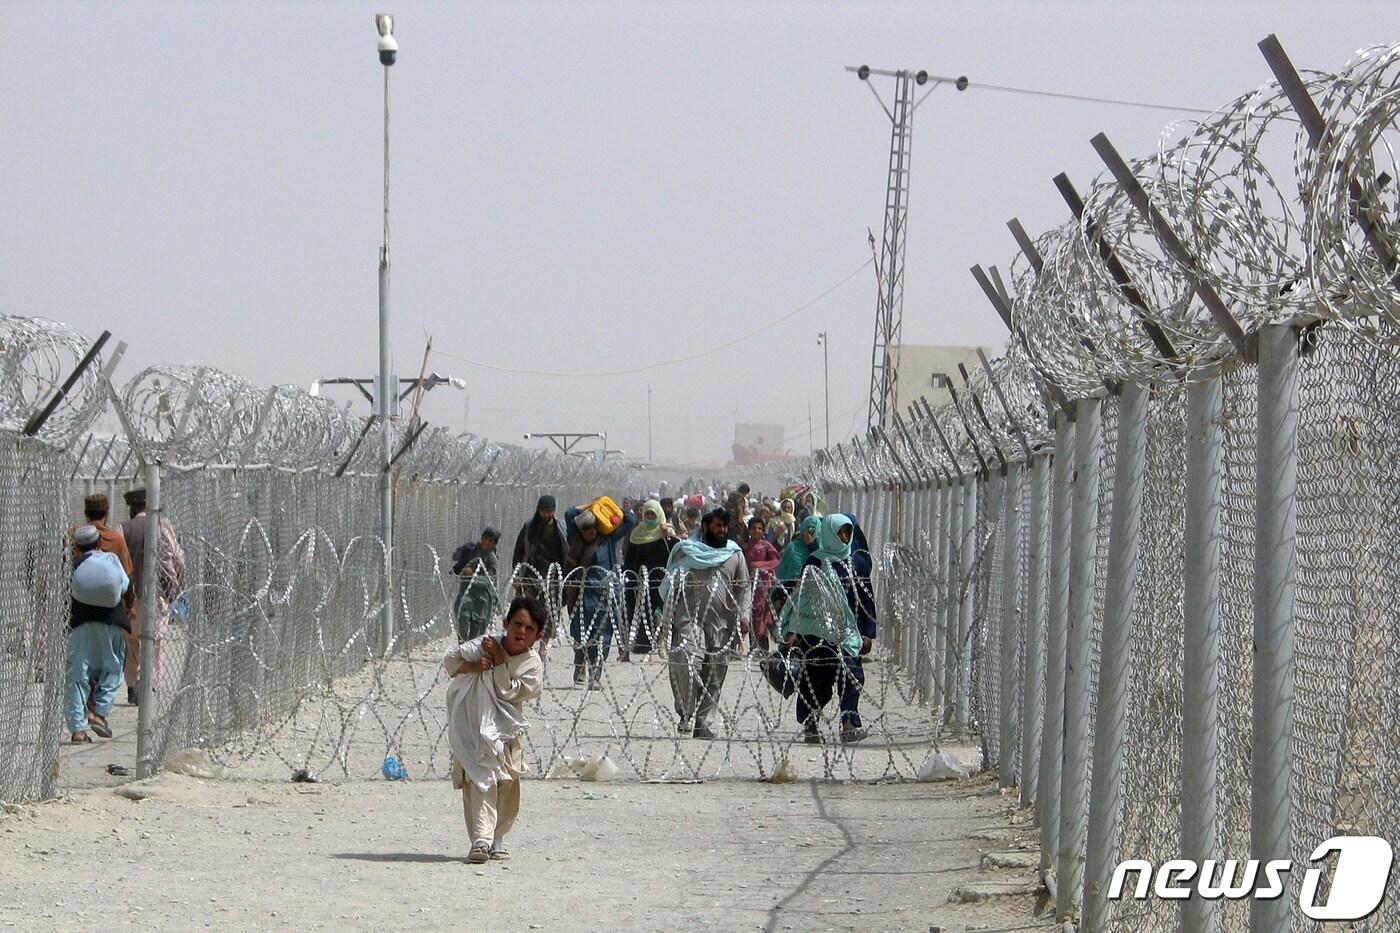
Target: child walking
[(491, 681)]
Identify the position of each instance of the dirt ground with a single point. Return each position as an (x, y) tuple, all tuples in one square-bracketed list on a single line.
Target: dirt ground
[(722, 855), (252, 850)]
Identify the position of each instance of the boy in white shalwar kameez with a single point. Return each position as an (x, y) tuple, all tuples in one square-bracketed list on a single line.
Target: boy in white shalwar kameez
[(491, 681)]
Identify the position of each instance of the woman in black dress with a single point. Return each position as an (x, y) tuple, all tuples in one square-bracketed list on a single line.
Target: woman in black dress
[(644, 563)]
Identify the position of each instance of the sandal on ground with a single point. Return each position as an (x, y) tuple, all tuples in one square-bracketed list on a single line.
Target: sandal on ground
[(98, 724), (498, 852), (79, 738), (480, 852)]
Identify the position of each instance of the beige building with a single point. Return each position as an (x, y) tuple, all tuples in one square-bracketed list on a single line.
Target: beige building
[(756, 443), (915, 366)]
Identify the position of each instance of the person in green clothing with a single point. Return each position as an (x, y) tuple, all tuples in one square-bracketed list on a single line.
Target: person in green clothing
[(475, 566), (819, 623), (794, 558)]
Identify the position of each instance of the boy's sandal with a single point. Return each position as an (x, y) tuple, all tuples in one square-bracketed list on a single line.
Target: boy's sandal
[(499, 853), (98, 724), (79, 738), (479, 853)]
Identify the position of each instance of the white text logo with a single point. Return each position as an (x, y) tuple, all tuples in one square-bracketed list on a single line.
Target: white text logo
[(1358, 879)]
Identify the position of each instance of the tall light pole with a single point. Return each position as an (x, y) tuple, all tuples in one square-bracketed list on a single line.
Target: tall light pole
[(388, 51), (826, 385), (649, 457)]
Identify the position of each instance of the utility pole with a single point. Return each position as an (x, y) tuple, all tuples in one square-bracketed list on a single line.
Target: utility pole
[(889, 308), (826, 383), (810, 429), (388, 52), (649, 455)]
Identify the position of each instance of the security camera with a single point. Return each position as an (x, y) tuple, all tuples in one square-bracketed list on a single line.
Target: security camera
[(961, 83), (863, 72), (388, 45), (527, 437)]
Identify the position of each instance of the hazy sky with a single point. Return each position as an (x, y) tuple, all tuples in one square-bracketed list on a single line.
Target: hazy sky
[(576, 187)]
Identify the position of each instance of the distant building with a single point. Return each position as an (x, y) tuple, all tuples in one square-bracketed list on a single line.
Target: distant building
[(757, 443), (915, 366)]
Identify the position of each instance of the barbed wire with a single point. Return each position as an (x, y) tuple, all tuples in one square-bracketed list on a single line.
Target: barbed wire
[(1282, 228)]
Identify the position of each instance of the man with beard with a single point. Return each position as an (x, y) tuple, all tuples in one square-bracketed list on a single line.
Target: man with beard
[(539, 544), (706, 592)]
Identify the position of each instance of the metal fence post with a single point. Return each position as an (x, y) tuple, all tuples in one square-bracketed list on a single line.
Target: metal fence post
[(1120, 595), (920, 624), (938, 633), (1008, 773), (986, 544), (150, 606), (1084, 523), (1057, 615), (951, 602), (967, 562), (1200, 683), (877, 514), (1275, 564), (908, 528), (1032, 670)]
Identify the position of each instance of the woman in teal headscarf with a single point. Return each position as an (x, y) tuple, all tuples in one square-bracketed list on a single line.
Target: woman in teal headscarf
[(819, 621), (794, 558), (799, 549)]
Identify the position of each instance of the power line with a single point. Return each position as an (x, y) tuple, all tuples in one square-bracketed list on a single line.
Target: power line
[(1061, 95), (810, 431), (671, 362)]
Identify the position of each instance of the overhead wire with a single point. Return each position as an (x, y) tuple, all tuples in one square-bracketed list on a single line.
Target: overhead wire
[(662, 363), (1061, 95)]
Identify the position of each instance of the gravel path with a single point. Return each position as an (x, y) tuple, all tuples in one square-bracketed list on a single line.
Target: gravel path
[(721, 855), (255, 851)]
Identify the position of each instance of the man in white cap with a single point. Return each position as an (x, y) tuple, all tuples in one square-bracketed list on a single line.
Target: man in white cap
[(97, 640)]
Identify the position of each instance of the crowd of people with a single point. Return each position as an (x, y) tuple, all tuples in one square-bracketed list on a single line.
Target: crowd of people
[(698, 580)]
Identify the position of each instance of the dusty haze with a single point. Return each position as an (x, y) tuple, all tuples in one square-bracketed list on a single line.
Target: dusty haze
[(576, 187)]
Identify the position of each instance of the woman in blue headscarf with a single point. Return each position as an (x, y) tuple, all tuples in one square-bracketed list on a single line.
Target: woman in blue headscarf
[(819, 622), (863, 604), (794, 559)]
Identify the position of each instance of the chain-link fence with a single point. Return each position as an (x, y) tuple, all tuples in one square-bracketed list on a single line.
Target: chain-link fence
[(1147, 556), (1207, 361), (268, 646), (273, 499), (33, 614)]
